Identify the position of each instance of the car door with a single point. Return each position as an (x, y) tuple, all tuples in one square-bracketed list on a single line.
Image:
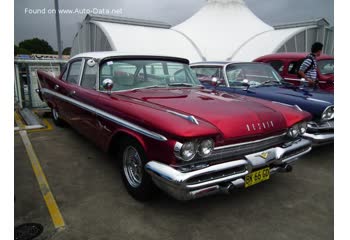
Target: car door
[(66, 88), (85, 97)]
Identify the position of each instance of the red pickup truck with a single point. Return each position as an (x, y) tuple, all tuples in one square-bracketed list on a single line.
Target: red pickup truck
[(287, 64)]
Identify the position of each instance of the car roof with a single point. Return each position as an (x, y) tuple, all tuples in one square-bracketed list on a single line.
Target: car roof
[(111, 54), (297, 55), (216, 63), (221, 64)]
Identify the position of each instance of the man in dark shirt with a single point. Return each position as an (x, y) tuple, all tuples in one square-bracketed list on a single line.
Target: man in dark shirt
[(308, 69)]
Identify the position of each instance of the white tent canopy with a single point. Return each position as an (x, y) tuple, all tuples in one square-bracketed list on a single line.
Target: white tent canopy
[(221, 30)]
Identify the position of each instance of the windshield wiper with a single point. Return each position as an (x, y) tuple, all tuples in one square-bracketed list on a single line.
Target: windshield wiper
[(269, 81), (154, 86), (181, 84)]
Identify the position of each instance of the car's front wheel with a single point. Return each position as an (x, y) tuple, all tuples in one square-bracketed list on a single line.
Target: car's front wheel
[(136, 180), (56, 118)]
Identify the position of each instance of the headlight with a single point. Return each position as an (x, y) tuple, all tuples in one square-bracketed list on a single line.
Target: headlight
[(185, 151), (188, 150), (206, 147), (302, 127), (328, 113), (293, 132)]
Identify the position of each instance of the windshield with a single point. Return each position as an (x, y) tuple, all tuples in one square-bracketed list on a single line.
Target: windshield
[(205, 74), (326, 66), (134, 74), (254, 74)]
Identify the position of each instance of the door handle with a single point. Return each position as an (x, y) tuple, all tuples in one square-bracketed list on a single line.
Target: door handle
[(56, 87)]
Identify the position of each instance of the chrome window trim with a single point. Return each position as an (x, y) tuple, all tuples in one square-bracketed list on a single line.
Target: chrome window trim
[(82, 73), (107, 116), (250, 142), (81, 70)]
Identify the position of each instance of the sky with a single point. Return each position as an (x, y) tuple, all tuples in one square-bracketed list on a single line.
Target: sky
[(30, 22)]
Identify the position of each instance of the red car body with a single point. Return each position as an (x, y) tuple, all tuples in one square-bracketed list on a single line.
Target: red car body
[(160, 119), (287, 64)]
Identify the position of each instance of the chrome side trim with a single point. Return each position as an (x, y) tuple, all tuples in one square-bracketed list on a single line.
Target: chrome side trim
[(107, 116), (317, 100), (299, 80), (293, 79), (295, 106), (190, 118), (245, 143)]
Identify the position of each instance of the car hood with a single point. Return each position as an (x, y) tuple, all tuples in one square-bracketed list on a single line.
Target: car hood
[(311, 100), (233, 115)]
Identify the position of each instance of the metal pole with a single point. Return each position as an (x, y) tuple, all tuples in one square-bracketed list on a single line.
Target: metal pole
[(58, 31)]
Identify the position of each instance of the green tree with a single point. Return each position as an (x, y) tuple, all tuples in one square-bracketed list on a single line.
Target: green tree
[(66, 51), (19, 50), (36, 45)]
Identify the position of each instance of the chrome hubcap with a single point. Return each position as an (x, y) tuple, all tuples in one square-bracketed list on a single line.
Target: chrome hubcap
[(132, 165), (55, 114)]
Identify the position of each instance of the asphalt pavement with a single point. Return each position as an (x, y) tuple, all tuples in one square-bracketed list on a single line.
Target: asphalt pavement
[(95, 205)]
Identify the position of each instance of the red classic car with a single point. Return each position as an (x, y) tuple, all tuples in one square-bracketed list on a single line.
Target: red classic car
[(166, 130), (288, 64)]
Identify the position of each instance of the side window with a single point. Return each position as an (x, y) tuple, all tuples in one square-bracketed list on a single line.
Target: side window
[(293, 67), (88, 79), (277, 65), (74, 72)]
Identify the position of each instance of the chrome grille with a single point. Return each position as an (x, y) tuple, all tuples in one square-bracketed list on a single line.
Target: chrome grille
[(325, 126), (328, 124), (230, 152)]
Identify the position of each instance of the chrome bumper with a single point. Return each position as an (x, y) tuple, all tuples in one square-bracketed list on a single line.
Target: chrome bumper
[(319, 138), (226, 176)]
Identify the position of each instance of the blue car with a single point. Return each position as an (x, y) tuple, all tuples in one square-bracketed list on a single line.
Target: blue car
[(262, 81)]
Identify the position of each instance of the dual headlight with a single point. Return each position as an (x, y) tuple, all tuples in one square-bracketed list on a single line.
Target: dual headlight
[(328, 114), (188, 150), (297, 130)]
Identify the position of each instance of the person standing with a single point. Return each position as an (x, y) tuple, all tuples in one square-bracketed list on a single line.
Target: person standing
[(308, 69)]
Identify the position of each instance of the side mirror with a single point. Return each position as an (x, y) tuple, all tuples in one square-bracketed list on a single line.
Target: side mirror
[(107, 84), (214, 81), (91, 62), (245, 83)]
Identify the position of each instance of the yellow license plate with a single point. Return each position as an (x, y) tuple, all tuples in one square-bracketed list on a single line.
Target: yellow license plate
[(257, 177)]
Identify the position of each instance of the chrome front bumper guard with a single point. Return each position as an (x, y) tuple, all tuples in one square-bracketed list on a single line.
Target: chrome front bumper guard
[(226, 176), (319, 138)]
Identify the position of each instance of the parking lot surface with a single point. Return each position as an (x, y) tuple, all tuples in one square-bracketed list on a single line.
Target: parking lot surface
[(95, 205)]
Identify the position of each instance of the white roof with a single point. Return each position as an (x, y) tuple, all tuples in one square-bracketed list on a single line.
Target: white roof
[(105, 54), (265, 43), (221, 30), (221, 27), (142, 40)]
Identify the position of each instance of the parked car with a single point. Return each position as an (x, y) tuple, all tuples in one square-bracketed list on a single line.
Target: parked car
[(167, 130), (288, 64), (262, 81)]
